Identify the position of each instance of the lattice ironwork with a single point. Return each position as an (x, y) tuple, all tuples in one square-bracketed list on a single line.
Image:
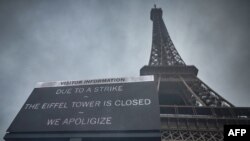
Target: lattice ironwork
[(196, 92), (208, 96), (190, 109), (163, 51), (185, 135)]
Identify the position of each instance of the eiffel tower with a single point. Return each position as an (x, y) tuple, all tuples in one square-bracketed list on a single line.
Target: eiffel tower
[(189, 109)]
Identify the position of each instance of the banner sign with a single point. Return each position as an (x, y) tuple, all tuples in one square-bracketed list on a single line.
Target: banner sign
[(114, 104)]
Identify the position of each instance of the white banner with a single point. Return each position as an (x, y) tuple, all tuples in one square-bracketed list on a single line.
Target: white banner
[(95, 81)]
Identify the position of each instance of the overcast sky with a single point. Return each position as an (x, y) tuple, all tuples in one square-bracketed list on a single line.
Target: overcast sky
[(52, 40)]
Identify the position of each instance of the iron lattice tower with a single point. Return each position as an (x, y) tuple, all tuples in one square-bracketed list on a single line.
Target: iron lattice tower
[(190, 109), (163, 51)]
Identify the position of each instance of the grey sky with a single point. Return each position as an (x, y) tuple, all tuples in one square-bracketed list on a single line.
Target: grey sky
[(70, 40)]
